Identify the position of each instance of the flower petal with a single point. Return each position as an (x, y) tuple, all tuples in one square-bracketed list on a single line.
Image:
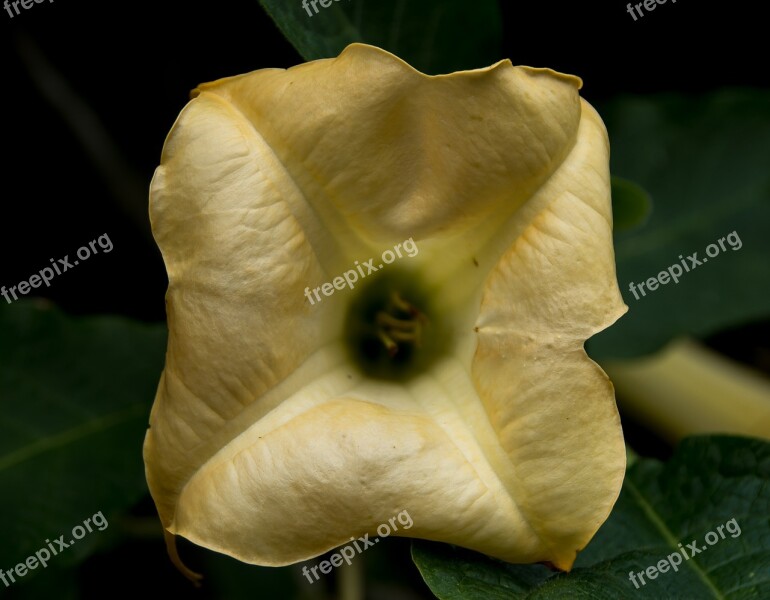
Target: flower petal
[(552, 408), (265, 443), (385, 152), (232, 228), (317, 471)]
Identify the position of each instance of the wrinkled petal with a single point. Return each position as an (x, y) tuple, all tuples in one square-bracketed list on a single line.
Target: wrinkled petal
[(265, 442), (553, 409)]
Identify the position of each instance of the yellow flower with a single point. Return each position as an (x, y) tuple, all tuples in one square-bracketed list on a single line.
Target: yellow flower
[(451, 383)]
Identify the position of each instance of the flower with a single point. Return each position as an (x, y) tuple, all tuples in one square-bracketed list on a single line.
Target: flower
[(282, 428)]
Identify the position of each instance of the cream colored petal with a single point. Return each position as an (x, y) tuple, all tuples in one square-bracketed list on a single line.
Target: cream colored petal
[(233, 229), (265, 444), (383, 152), (318, 470), (553, 409)]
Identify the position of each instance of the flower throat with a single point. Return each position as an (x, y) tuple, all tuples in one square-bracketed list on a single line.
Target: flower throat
[(392, 330)]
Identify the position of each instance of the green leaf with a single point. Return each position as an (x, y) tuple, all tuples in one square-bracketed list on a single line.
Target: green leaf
[(434, 36), (705, 162), (75, 396), (631, 205), (707, 483)]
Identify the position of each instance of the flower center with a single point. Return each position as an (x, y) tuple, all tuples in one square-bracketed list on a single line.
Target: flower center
[(391, 330)]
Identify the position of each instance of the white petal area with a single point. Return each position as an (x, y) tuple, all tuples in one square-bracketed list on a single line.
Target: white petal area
[(383, 152), (251, 206), (319, 470), (556, 277), (265, 443), (232, 228), (551, 407)]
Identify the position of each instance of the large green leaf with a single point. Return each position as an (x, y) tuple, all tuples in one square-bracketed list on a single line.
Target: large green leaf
[(708, 482), (75, 397), (705, 163), (434, 36)]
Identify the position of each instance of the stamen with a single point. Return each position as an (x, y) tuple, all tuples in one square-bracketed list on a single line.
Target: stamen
[(392, 322), (401, 304), (390, 345), (392, 329)]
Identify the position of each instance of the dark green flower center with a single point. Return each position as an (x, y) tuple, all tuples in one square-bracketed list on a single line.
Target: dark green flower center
[(391, 330)]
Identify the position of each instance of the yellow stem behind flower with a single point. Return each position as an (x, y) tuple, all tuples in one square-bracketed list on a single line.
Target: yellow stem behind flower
[(351, 581), (688, 389)]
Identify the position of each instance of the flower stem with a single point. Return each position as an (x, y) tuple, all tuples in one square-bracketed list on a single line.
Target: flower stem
[(351, 581), (689, 389)]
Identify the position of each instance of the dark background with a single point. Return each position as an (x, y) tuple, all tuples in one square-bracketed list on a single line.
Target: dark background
[(124, 71)]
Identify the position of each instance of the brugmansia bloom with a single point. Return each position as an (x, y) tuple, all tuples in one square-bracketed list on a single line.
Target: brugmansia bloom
[(452, 382)]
